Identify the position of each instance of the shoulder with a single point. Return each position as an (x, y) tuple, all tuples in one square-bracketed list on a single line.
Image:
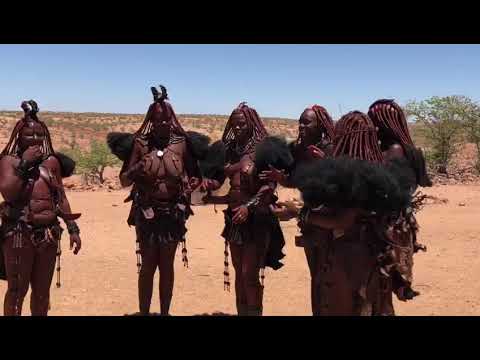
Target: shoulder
[(140, 145), (51, 162), (140, 141), (179, 147), (181, 143), (395, 151)]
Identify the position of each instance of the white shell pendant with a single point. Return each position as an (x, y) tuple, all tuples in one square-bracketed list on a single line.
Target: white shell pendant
[(159, 153)]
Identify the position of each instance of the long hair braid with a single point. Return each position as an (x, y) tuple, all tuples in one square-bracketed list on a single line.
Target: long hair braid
[(389, 117), (12, 147), (356, 137), (324, 121), (255, 124)]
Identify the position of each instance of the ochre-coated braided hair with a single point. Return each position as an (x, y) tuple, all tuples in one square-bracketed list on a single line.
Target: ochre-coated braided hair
[(12, 147), (390, 118), (254, 123), (161, 108), (356, 137), (324, 121), (391, 122)]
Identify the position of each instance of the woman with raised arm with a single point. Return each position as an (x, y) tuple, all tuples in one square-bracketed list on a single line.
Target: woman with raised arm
[(31, 184)]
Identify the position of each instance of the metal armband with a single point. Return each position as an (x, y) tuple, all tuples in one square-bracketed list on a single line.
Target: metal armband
[(73, 228), (252, 203), (23, 170)]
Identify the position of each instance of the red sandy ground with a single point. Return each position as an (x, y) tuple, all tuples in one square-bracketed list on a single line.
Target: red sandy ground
[(102, 279)]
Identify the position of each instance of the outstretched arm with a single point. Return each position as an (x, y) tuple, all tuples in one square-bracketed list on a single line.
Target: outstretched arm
[(276, 175), (342, 220)]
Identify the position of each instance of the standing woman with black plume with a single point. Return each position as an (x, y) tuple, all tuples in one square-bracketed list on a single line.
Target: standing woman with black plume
[(160, 163), (251, 230)]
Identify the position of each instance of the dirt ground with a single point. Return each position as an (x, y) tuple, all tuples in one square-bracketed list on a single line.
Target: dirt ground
[(102, 279)]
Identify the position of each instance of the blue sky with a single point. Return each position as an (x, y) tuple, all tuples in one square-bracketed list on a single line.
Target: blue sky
[(278, 80)]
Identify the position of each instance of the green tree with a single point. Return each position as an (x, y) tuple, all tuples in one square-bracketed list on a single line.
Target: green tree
[(94, 162), (471, 121), (443, 120), (91, 164)]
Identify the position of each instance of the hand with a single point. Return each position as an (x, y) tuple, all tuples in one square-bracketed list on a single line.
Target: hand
[(273, 175), (194, 182), (241, 214), (75, 241), (315, 152), (32, 155), (294, 206), (281, 212), (206, 185)]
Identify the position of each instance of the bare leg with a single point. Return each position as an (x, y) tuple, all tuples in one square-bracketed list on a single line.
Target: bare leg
[(166, 258), (41, 279), (18, 275), (252, 254), (311, 255), (145, 278), (240, 294)]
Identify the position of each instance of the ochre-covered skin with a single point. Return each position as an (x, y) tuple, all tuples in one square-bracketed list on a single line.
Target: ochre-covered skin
[(401, 235), (164, 173), (349, 281), (401, 243), (315, 141), (163, 178), (31, 230), (251, 230)]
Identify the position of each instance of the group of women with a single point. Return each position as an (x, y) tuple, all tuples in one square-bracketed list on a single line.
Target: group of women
[(357, 177)]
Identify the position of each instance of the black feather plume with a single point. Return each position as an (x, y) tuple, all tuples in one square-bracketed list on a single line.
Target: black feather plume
[(349, 183), (212, 165), (120, 144), (273, 151), (198, 144), (67, 164)]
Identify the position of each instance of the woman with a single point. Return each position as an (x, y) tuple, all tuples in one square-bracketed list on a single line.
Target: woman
[(251, 230), (352, 190), (164, 171), (315, 141), (398, 148)]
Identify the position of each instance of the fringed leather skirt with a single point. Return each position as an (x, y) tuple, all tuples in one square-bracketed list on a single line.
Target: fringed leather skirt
[(161, 224), (260, 227)]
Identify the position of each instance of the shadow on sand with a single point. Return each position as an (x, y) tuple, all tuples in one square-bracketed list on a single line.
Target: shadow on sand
[(215, 313)]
